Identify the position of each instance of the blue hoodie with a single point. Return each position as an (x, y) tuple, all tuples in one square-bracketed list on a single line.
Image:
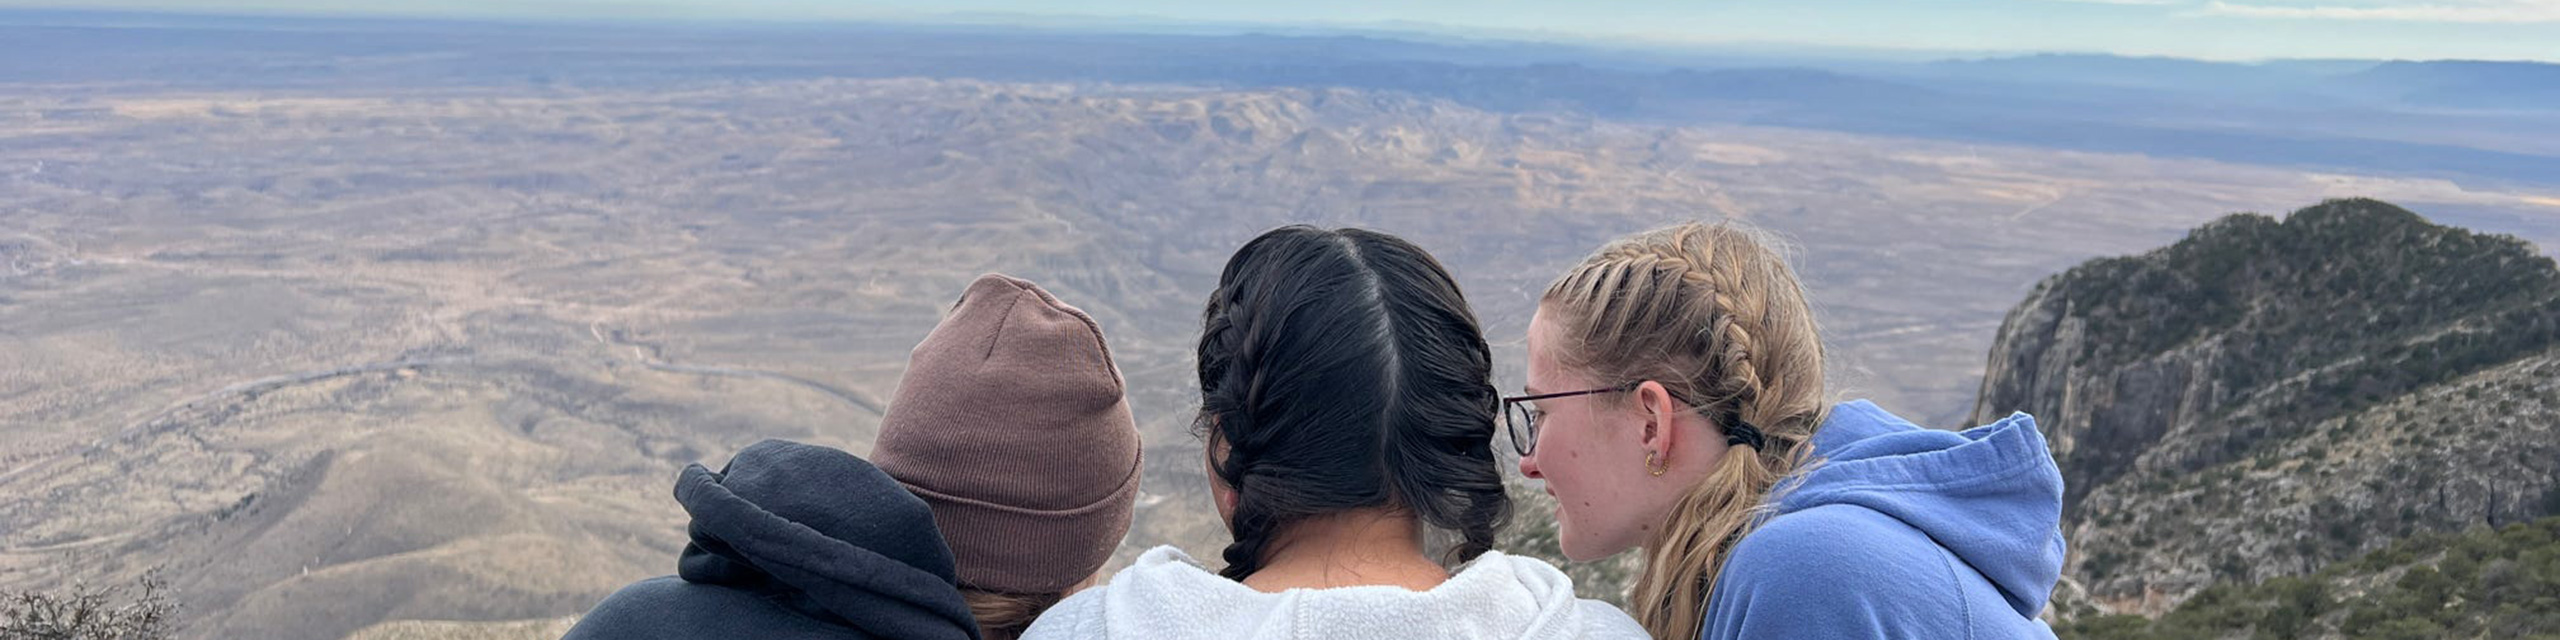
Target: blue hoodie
[(1902, 532)]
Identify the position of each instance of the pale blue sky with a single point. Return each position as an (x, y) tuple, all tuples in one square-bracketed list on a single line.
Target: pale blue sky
[(2214, 29)]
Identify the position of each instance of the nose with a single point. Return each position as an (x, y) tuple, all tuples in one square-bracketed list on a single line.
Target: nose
[(1529, 467)]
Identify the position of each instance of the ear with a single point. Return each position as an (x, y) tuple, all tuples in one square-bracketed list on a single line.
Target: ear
[(1661, 415), (1222, 495)]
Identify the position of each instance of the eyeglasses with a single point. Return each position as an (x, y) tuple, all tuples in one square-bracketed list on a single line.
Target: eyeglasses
[(1522, 421)]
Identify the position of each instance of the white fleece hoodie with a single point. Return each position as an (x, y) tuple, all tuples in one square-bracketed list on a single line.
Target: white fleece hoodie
[(1167, 596)]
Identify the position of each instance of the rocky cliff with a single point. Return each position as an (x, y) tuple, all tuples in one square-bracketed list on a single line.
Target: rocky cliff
[(2269, 396)]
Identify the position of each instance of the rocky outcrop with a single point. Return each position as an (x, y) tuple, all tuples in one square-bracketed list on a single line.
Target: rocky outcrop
[(2099, 416), (2265, 397)]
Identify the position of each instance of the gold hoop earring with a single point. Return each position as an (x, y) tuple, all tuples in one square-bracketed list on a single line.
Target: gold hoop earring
[(1649, 457)]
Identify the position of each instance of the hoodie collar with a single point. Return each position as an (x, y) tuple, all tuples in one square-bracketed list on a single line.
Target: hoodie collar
[(1991, 494)]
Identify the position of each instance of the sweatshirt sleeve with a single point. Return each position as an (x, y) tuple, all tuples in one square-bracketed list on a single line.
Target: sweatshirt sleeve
[(1837, 571)]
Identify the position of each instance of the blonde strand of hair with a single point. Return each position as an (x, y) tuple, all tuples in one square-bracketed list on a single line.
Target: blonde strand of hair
[(1681, 564)]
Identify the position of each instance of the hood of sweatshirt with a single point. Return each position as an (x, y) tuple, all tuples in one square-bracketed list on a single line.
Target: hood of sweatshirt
[(1990, 495), (824, 533)]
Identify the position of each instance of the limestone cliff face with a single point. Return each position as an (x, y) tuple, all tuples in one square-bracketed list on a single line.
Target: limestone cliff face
[(2268, 396), (2099, 416)]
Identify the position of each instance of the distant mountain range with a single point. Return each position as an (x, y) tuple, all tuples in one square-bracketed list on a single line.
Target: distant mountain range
[(2526, 86), (2462, 120)]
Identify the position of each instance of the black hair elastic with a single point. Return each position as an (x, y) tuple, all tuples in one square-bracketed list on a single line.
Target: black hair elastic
[(1739, 431)]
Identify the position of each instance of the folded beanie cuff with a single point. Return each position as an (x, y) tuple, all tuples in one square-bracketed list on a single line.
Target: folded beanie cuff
[(1023, 550)]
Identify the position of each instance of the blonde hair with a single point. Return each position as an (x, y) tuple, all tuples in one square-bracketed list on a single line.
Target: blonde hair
[(1004, 616), (1714, 314)]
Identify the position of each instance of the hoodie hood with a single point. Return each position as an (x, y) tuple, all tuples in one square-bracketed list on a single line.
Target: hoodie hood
[(1990, 495), (822, 532), (1166, 594)]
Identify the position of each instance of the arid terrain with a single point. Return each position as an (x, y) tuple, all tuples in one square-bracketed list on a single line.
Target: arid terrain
[(326, 359)]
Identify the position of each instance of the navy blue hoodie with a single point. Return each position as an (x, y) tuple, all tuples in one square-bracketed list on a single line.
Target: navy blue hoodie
[(795, 541)]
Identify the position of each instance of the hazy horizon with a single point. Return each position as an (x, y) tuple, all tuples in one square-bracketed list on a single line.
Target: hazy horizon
[(2506, 30)]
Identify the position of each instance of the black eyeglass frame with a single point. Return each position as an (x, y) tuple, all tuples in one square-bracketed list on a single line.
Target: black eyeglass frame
[(1523, 428)]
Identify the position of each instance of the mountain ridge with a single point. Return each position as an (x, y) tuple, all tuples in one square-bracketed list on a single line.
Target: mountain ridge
[(2267, 396)]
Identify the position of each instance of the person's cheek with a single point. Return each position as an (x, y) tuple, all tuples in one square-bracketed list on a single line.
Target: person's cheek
[(1579, 476)]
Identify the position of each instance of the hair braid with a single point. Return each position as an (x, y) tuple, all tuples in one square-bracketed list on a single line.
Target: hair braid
[(1342, 370)]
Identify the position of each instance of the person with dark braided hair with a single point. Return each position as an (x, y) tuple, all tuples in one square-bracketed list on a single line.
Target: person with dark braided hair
[(1348, 412)]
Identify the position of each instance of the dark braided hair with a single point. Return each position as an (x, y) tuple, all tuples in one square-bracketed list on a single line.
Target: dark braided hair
[(1342, 370)]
